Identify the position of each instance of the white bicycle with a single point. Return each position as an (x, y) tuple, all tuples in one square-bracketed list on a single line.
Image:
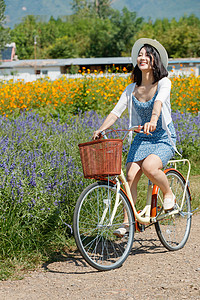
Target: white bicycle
[(101, 206)]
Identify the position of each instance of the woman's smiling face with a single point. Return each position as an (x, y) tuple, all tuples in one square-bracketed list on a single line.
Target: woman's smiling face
[(143, 60)]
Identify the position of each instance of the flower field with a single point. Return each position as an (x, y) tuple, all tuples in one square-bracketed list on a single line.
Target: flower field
[(41, 174), (185, 95), (87, 93)]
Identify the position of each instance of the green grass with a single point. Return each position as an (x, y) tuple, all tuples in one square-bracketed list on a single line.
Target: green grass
[(38, 192)]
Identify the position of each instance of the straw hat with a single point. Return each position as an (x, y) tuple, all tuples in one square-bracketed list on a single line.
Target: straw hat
[(140, 43)]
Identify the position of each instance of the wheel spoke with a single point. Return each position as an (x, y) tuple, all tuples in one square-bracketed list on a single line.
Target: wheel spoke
[(173, 230), (93, 231)]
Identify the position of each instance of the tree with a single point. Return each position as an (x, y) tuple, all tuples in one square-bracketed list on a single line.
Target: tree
[(97, 30), (23, 35), (103, 8), (101, 37), (180, 38), (80, 6), (127, 25), (49, 32), (4, 32), (64, 47)]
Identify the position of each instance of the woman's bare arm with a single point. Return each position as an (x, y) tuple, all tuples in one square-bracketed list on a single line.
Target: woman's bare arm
[(109, 121), (151, 126)]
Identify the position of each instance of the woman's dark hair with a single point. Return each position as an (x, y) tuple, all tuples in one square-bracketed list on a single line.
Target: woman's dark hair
[(159, 70)]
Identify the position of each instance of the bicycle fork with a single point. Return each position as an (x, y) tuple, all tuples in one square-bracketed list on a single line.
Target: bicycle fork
[(107, 203)]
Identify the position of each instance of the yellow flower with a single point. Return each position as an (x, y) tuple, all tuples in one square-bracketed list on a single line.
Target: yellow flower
[(185, 92)]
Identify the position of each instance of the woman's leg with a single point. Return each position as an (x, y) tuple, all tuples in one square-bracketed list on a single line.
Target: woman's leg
[(133, 174), (151, 166)]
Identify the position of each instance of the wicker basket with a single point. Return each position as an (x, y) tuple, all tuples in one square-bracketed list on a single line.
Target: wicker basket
[(101, 157)]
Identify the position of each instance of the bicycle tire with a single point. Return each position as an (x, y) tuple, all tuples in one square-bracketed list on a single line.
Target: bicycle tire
[(95, 240), (173, 231)]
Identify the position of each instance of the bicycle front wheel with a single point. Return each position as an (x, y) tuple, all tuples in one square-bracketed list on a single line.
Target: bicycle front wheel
[(96, 217), (173, 231)]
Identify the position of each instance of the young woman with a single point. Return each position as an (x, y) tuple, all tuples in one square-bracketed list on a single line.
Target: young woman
[(148, 102)]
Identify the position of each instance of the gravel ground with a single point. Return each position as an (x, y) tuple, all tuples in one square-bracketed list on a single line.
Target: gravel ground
[(150, 272)]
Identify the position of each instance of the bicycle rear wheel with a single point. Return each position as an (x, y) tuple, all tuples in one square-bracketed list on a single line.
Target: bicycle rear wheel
[(173, 231), (93, 228)]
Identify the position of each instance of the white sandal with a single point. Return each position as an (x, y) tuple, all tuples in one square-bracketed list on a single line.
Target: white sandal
[(169, 203), (121, 231)]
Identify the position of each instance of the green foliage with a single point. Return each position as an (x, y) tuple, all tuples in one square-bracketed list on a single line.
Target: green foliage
[(101, 8), (82, 100), (23, 35), (101, 36), (92, 32), (2, 12), (4, 32), (40, 182), (41, 179), (180, 38), (79, 6), (62, 48), (126, 25)]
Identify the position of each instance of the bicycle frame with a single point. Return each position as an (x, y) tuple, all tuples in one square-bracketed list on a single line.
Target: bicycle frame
[(147, 215), (187, 178), (105, 217), (144, 216)]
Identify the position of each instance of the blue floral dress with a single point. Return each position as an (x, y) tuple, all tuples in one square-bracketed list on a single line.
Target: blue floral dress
[(158, 143)]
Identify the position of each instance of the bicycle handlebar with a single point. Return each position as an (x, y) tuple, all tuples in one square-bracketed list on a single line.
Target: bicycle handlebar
[(136, 129)]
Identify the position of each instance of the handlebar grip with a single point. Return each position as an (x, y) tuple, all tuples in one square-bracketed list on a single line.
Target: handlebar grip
[(137, 130)]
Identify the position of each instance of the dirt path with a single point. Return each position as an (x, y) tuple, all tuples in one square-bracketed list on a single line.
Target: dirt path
[(150, 272)]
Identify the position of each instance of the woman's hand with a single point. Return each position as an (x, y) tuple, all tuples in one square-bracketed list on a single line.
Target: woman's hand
[(149, 126), (96, 134), (109, 121)]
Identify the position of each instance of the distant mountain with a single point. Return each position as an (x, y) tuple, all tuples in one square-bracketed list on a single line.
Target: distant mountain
[(159, 9), (154, 9)]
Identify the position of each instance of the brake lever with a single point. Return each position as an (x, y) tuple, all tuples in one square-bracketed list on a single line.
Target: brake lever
[(140, 131)]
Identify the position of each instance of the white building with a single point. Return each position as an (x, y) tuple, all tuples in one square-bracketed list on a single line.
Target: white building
[(30, 70)]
